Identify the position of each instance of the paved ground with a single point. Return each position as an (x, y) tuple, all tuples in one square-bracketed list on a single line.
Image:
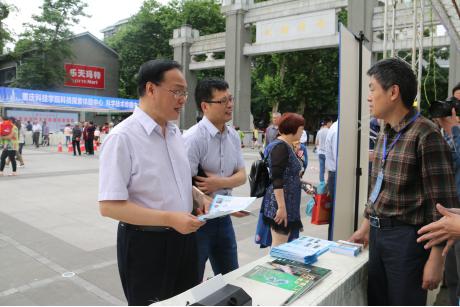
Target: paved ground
[(55, 248)]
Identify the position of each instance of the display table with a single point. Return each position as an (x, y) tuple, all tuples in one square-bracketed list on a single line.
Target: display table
[(345, 285)]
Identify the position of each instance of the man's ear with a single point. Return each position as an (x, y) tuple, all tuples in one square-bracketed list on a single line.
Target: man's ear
[(204, 106), (395, 92), (150, 88)]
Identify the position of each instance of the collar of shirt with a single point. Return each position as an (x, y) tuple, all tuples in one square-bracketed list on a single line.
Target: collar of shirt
[(213, 131), (401, 124), (149, 124)]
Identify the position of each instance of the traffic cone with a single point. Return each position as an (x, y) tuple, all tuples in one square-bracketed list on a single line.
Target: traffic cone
[(70, 148), (82, 147), (95, 145), (59, 147)]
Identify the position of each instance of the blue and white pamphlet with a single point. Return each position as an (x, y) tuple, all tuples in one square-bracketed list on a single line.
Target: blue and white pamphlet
[(224, 205), (304, 249)]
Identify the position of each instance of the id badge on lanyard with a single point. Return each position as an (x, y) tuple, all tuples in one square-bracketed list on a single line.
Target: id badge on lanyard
[(379, 182)]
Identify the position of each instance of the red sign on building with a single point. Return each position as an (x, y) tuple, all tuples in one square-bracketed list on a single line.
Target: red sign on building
[(84, 76)]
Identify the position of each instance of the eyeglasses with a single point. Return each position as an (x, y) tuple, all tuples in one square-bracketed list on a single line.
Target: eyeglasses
[(179, 94), (225, 101)]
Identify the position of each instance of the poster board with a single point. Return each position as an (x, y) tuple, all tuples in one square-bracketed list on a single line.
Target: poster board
[(344, 209)]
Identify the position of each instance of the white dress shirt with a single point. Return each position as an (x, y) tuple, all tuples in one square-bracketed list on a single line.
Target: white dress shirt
[(331, 147), (218, 153), (139, 164), (321, 137)]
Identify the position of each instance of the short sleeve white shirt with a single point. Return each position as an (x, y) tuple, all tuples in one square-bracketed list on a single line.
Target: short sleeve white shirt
[(331, 147), (139, 164), (217, 153)]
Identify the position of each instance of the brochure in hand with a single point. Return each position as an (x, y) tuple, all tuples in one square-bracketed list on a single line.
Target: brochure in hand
[(224, 205), (304, 249), (290, 275)]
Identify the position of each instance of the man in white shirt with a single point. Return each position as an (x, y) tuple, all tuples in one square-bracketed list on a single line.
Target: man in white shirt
[(321, 145), (67, 133), (331, 164), (145, 183), (215, 147), (36, 129)]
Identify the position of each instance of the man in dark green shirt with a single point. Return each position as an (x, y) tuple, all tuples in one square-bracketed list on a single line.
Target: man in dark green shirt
[(412, 171)]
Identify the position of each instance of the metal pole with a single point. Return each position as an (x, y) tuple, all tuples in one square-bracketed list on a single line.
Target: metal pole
[(359, 171), (420, 55), (385, 16), (393, 38), (414, 33)]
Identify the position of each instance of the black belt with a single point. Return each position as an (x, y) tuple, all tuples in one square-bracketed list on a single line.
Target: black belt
[(385, 222), (146, 228)]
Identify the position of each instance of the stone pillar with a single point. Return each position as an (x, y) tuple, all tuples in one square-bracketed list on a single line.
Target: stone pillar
[(181, 42), (82, 116), (360, 15), (238, 66), (454, 67)]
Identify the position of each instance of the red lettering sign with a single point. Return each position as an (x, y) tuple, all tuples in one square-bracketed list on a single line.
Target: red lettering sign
[(84, 76)]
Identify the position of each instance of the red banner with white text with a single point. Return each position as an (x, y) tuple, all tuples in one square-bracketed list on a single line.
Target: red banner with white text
[(84, 76)]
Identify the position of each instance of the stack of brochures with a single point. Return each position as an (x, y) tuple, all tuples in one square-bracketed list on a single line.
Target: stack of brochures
[(346, 248), (289, 275), (304, 249)]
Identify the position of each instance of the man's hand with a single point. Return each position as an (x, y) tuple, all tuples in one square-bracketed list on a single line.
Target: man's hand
[(445, 229), (432, 272), (448, 122), (204, 204), (361, 235), (184, 223), (209, 184)]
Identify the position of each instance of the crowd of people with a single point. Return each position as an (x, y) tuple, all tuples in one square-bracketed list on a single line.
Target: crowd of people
[(13, 142), (156, 181)]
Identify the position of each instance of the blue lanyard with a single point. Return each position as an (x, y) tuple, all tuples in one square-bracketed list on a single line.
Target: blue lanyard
[(398, 136)]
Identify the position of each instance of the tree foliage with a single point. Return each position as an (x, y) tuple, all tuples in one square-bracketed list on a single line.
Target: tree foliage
[(45, 44), (146, 35), (5, 35)]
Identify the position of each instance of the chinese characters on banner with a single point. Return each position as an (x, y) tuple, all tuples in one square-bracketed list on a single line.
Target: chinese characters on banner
[(56, 121), (84, 76)]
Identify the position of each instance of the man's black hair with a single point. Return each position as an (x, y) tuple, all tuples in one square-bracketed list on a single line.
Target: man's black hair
[(456, 88), (153, 71), (391, 72), (205, 88)]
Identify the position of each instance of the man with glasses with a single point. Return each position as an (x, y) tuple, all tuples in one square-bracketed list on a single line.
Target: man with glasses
[(145, 183), (214, 149)]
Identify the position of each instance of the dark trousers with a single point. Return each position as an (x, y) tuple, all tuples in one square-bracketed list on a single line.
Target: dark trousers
[(8, 154), (35, 138), (76, 146), (331, 189), (452, 272), (155, 266), (89, 146), (396, 263), (216, 242)]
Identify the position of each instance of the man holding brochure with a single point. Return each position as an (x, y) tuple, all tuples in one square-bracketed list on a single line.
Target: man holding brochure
[(217, 165), (145, 183)]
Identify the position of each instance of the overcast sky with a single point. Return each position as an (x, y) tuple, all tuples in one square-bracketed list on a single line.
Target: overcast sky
[(103, 13)]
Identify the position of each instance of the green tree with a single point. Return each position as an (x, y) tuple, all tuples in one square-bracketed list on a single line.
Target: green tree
[(5, 35), (146, 35), (46, 43)]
